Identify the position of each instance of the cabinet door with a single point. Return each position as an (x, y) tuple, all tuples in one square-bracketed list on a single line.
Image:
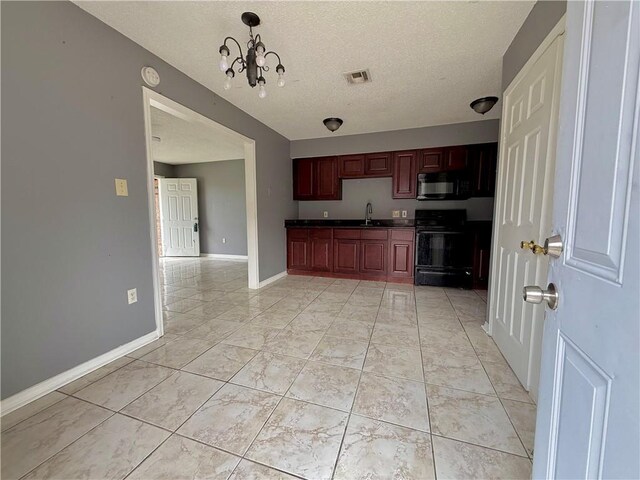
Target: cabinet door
[(298, 255), (481, 252), (484, 160), (431, 160), (401, 258), (377, 164), (303, 178), (405, 177), (327, 184), (455, 158), (345, 256), (351, 166), (321, 249), (401, 252), (373, 257)]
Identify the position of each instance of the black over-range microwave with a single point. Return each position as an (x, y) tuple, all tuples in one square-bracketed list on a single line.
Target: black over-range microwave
[(444, 186)]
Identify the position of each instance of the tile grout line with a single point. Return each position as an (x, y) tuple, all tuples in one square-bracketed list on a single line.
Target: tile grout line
[(426, 393), (487, 374)]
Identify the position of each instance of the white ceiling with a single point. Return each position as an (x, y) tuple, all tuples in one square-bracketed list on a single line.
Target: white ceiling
[(428, 60), (186, 142)]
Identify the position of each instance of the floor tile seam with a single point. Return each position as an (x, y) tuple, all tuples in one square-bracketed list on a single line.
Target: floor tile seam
[(70, 443), (3, 432), (439, 435), (494, 388), (426, 395)]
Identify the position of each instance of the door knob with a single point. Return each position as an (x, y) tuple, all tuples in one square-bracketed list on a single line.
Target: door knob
[(552, 246), (534, 294)]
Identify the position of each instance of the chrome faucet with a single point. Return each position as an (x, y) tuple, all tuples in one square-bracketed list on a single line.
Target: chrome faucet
[(369, 212)]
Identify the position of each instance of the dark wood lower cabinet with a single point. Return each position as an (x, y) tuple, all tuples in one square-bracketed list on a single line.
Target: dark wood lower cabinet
[(298, 249), (481, 254), (345, 256), (321, 246), (367, 253), (373, 257)]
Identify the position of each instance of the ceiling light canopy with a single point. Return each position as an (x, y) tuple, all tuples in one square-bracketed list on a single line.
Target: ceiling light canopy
[(254, 63), (484, 104), (333, 123)]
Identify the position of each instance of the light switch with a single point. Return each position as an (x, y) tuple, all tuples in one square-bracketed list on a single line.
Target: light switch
[(121, 187), (395, 213), (404, 214), (325, 214)]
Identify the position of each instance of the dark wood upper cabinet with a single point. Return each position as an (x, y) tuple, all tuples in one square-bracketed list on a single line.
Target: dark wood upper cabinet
[(351, 166), (455, 158), (378, 164), (405, 178), (431, 160), (484, 160), (327, 183), (303, 178), (316, 179), (321, 178)]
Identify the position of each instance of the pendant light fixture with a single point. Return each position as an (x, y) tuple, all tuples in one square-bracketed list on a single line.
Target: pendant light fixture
[(333, 123), (484, 104), (254, 63)]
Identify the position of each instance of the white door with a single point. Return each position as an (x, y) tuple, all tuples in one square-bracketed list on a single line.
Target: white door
[(588, 408), (179, 217), (523, 209)]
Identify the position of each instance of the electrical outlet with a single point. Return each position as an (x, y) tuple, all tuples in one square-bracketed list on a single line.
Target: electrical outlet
[(404, 214), (224, 240), (325, 214), (132, 295), (121, 187), (395, 213)]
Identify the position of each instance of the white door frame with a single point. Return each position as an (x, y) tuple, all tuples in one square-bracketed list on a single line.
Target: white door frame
[(154, 99), (555, 31)]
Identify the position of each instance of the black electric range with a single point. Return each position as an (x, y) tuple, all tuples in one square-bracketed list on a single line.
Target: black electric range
[(444, 249)]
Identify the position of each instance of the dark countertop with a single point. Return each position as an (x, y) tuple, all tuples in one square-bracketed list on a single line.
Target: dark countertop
[(385, 223)]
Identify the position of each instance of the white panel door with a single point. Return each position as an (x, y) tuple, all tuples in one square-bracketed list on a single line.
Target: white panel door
[(523, 210), (588, 408), (179, 217)]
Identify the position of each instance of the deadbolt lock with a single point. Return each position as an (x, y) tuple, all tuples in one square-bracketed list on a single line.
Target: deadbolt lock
[(552, 246)]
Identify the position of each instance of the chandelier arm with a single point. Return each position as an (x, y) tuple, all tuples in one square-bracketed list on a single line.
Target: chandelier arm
[(273, 53), (240, 60), (236, 42)]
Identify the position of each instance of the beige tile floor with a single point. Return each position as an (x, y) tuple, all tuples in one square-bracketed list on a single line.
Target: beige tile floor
[(308, 377)]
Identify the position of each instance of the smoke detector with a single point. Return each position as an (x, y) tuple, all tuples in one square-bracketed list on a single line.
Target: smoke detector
[(359, 76)]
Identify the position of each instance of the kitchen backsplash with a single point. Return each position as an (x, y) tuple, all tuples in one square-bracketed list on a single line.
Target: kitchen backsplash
[(356, 194)]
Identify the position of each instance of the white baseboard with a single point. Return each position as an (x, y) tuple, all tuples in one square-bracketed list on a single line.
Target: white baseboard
[(269, 280), (20, 399), (222, 256)]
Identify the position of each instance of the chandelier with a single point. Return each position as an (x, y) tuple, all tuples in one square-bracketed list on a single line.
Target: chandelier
[(254, 63)]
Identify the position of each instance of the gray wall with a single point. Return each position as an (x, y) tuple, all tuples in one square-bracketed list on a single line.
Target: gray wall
[(222, 207), (356, 193), (163, 169), (544, 15), (438, 136), (72, 121)]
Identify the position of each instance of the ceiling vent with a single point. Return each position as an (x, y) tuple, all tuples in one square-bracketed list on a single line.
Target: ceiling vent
[(359, 76)]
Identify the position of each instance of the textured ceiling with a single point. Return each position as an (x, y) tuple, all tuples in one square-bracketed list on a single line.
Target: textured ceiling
[(185, 142), (428, 60)]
